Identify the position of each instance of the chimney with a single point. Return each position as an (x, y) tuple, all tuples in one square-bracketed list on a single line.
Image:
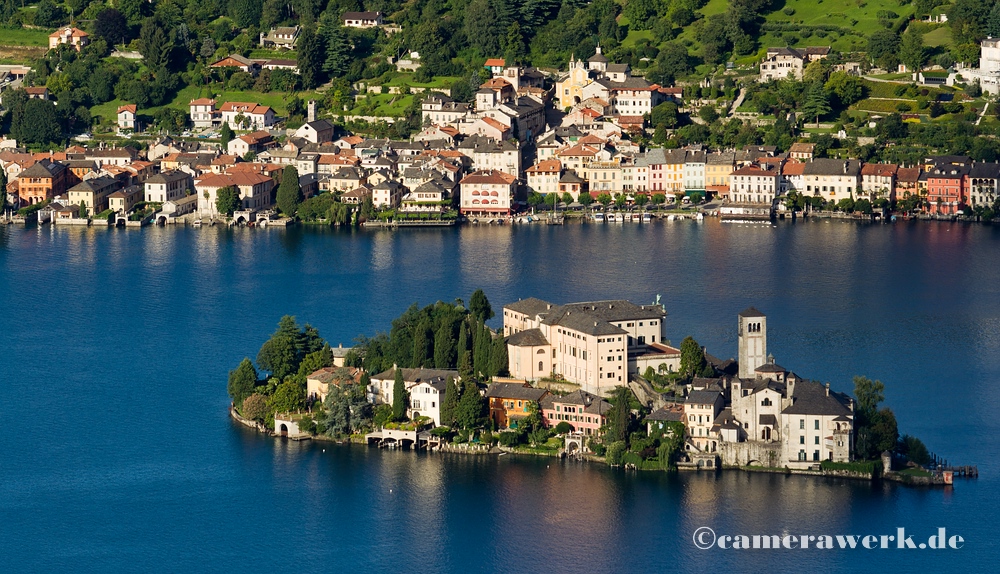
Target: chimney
[(846, 163), (828, 389)]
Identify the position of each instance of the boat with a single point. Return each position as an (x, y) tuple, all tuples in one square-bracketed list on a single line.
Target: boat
[(636, 218), (647, 217), (197, 223), (671, 217), (699, 217), (619, 218), (598, 217)]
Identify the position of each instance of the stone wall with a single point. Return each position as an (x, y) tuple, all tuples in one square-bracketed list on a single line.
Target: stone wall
[(750, 452)]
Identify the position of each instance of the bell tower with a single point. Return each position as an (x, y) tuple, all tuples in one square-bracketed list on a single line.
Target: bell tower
[(752, 338)]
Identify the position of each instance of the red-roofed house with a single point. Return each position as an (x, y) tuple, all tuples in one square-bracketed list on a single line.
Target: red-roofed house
[(753, 184), (255, 190), (239, 62), (203, 113), (491, 128), (71, 36), (253, 142), (543, 177), (878, 180), (37, 93), (126, 117), (495, 65), (487, 193), (244, 115)]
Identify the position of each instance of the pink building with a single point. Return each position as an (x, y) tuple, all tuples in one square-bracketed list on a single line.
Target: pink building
[(585, 411)]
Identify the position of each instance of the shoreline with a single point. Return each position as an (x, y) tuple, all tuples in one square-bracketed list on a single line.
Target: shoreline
[(897, 477)]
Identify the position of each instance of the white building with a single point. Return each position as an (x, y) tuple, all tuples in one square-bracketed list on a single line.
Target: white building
[(167, 186)]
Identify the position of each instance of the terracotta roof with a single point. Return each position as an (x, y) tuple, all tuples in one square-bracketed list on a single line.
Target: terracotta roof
[(754, 170), (36, 90), (547, 165), (495, 62), (880, 169), (488, 176), (802, 147), (231, 178), (794, 168), (579, 150), (74, 32), (494, 124), (127, 108), (496, 84), (244, 107), (202, 102), (908, 174), (515, 391)]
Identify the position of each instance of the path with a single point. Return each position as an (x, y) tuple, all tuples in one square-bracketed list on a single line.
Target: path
[(739, 101)]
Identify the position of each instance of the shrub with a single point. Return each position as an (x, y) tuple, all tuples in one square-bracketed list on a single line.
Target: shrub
[(510, 438), (788, 11), (616, 451), (563, 428)]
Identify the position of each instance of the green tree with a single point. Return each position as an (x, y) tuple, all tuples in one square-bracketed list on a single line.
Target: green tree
[(311, 57), (480, 306), (36, 122), (514, 48), (498, 358), (693, 360), (242, 381), (278, 356), (449, 406), (288, 397), (618, 417), (227, 200), (914, 450), (869, 394), (471, 405), (817, 103), (422, 352), (399, 398), (463, 338), (225, 135), (289, 193), (482, 27), (337, 52), (155, 44), (48, 14), (664, 114), (883, 49), (245, 13), (912, 51), (604, 199), (444, 347), (481, 355), (848, 89), (111, 26)]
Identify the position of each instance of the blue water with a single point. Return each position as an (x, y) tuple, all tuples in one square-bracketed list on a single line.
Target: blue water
[(117, 453)]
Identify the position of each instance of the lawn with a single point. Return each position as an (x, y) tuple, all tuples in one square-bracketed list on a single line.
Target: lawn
[(939, 37), (276, 100), (24, 37), (394, 105), (406, 79)]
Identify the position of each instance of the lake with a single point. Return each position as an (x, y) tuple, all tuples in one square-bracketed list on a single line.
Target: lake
[(118, 454)]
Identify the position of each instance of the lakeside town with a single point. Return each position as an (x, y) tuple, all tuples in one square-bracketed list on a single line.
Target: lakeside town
[(592, 380), (528, 141)]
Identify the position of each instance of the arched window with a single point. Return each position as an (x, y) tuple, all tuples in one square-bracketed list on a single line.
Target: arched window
[(541, 366), (475, 202), (494, 194), (495, 202), (475, 192)]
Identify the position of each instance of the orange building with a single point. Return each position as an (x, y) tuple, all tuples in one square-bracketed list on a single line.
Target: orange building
[(42, 181), (510, 402)]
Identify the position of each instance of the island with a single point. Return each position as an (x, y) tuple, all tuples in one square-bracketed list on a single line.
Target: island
[(593, 380)]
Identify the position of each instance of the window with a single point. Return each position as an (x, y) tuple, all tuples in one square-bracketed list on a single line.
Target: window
[(802, 424), (816, 425), (816, 440), (541, 366), (766, 402), (802, 440)]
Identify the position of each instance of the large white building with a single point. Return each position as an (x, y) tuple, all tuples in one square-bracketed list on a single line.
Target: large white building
[(584, 343)]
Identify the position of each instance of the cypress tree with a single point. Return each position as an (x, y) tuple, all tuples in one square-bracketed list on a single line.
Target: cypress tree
[(481, 355), (465, 364), (463, 339), (421, 345), (470, 406), (242, 381), (289, 194), (398, 397), (450, 404), (498, 357), (444, 347)]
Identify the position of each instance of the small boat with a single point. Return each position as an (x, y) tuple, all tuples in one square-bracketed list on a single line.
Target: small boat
[(671, 217), (598, 217), (636, 218), (197, 223), (699, 217), (619, 218), (647, 217)]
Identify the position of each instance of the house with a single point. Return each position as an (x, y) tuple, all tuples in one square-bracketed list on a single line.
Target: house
[(945, 188), (69, 36), (657, 422), (37, 92), (817, 425), (700, 411), (253, 142), (430, 196), (487, 193), (543, 177), (495, 65), (123, 200), (907, 182), (126, 117), (361, 19), (426, 398), (781, 63), (381, 389), (832, 179), (983, 184), (94, 193), (203, 113), (279, 64), (587, 343), (255, 190), (246, 115), (318, 382), (282, 37), (318, 131), (167, 186), (584, 411), (357, 195), (801, 150), (389, 193), (508, 403), (41, 182), (878, 180), (237, 61), (120, 156), (753, 184)]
